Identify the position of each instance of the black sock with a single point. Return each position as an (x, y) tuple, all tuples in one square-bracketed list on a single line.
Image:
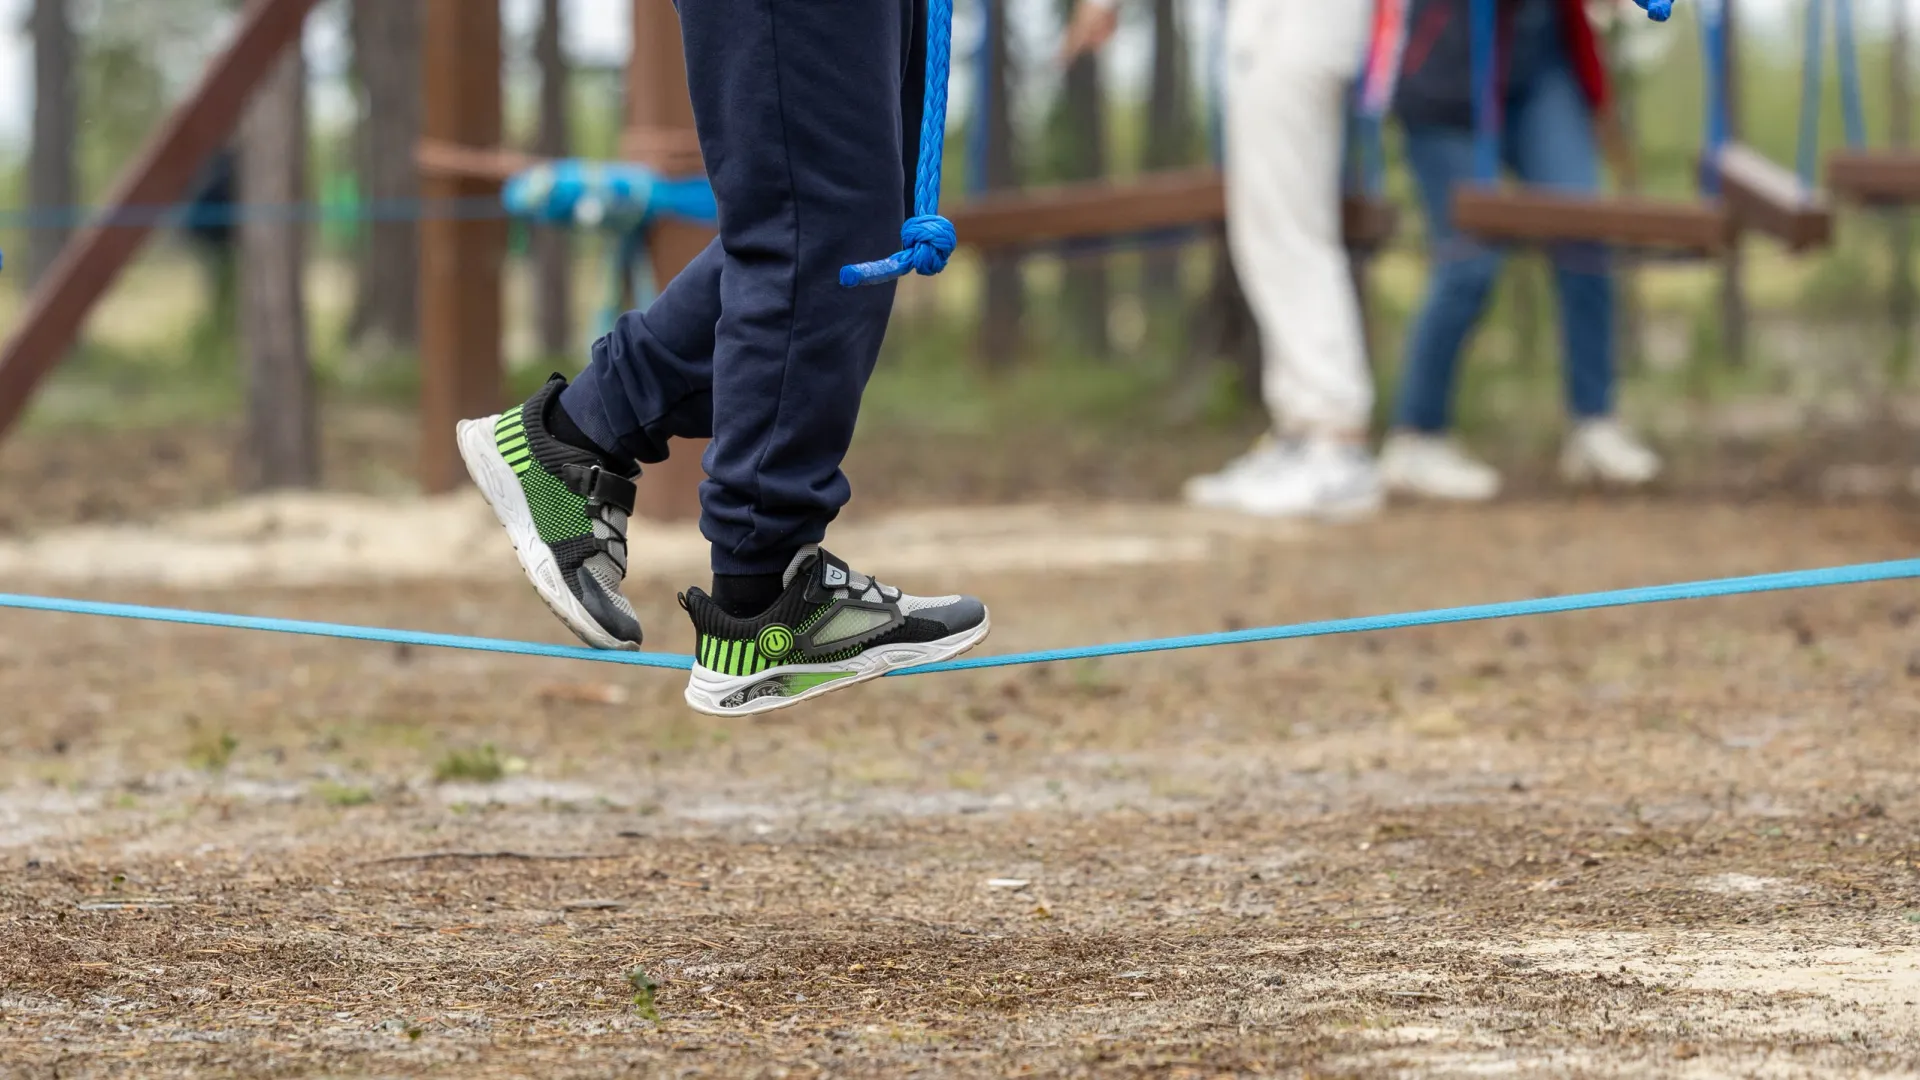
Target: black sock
[(561, 425), (744, 596)]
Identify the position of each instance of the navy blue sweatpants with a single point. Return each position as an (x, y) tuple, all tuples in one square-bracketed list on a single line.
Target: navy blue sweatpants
[(808, 113)]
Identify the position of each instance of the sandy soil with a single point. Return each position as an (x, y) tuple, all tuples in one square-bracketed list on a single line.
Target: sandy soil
[(1668, 841)]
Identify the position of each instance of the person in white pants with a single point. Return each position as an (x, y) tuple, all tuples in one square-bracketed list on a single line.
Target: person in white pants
[(1289, 64)]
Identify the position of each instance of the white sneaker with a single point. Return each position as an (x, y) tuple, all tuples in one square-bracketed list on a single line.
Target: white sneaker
[(1605, 452), (1216, 490), (1314, 478), (1434, 467)]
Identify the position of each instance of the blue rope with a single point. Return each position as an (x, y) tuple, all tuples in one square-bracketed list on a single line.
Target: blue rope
[(1713, 55), (927, 238), (1811, 85), (1486, 91), (1902, 569), (1851, 106)]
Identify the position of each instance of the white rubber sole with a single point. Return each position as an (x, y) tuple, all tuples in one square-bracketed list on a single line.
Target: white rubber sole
[(497, 482), (1577, 470), (706, 689), (1337, 511)]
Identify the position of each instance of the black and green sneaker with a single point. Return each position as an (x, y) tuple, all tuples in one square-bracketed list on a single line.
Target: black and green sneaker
[(566, 511), (830, 629)]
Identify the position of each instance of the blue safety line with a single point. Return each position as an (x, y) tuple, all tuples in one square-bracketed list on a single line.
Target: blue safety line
[(1898, 570), (1483, 34), (927, 239), (1852, 108), (1713, 55), (1812, 56)]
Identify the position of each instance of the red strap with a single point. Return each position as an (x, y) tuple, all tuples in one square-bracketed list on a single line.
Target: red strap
[(1583, 46)]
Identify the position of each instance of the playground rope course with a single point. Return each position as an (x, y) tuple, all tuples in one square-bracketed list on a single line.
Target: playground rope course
[(1899, 570), (927, 241)]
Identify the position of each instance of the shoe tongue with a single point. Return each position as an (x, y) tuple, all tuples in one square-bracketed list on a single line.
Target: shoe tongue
[(801, 559)]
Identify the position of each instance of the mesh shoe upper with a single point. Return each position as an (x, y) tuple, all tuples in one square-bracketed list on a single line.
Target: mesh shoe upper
[(828, 613), (580, 507)]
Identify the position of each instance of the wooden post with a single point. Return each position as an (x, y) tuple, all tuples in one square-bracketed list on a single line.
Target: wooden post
[(460, 261), (159, 177), (660, 134)]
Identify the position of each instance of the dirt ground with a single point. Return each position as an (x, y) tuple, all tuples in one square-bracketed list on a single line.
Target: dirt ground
[(1681, 840)]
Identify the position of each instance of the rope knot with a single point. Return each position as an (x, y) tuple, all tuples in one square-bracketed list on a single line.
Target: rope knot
[(929, 240)]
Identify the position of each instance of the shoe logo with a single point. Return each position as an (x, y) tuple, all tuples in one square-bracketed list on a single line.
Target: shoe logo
[(835, 577), (774, 642)]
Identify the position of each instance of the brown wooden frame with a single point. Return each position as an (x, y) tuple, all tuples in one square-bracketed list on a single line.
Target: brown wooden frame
[(1768, 198), (1875, 177), (160, 176), (1030, 217), (1527, 215)]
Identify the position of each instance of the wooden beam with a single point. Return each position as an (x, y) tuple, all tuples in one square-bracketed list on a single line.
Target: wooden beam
[(1027, 217), (660, 135), (1879, 177), (1521, 215), (460, 261), (160, 176), (1767, 198), (1106, 208), (442, 160)]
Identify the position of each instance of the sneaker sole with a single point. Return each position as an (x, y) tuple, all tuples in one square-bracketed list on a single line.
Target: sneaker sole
[(1584, 474), (501, 488), (706, 689)]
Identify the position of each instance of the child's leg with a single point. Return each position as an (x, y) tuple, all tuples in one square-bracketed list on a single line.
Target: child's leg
[(651, 379), (802, 114), (807, 111)]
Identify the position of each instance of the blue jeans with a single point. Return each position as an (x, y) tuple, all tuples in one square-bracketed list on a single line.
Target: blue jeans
[(1547, 140)]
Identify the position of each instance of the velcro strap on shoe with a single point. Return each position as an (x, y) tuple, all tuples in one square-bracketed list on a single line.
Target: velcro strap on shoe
[(600, 487), (830, 574)]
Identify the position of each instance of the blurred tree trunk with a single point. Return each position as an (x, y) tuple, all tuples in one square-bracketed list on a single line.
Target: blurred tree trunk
[(553, 247), (1081, 143), (52, 184), (386, 48), (1000, 339), (281, 447), (1900, 232), (1169, 137)]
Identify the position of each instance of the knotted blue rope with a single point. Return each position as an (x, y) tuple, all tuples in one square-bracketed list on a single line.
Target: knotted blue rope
[(927, 238)]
